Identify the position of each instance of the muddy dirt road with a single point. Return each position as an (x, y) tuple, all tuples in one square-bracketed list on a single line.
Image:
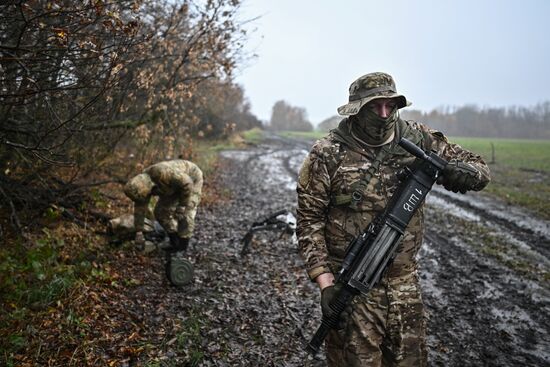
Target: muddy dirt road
[(484, 273)]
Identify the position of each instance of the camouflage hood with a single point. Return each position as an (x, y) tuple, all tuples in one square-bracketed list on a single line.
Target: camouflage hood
[(342, 134), (369, 87)]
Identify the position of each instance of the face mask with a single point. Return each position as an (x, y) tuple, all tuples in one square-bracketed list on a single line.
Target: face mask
[(373, 129)]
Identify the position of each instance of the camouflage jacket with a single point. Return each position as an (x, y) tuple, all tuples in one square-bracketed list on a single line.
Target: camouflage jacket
[(177, 179), (333, 168)]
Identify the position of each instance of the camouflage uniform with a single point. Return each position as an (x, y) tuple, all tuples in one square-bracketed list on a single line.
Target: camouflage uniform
[(387, 327), (178, 184)]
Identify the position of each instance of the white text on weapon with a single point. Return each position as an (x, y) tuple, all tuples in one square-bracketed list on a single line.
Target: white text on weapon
[(413, 201)]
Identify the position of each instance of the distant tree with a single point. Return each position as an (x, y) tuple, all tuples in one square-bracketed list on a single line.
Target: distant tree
[(329, 123), (224, 111), (287, 117)]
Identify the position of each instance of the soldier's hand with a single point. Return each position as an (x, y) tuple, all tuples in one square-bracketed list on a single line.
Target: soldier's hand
[(139, 239), (182, 227), (327, 294), (177, 243), (180, 213), (459, 177)]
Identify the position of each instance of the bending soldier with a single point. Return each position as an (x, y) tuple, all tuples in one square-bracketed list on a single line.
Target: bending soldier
[(178, 185), (344, 183)]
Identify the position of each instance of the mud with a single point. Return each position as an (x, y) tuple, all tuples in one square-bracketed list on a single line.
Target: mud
[(484, 273)]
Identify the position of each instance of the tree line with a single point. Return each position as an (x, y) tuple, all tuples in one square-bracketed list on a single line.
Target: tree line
[(473, 121), (86, 83)]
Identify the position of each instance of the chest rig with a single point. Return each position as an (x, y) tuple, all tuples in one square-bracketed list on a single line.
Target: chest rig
[(358, 190)]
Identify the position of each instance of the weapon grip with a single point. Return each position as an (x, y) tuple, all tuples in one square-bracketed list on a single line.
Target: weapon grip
[(338, 304)]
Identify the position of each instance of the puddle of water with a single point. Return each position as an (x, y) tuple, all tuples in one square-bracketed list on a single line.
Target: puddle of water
[(429, 266), (427, 282), (514, 322), (238, 155), (501, 210), (531, 289), (269, 166), (274, 172), (451, 208)]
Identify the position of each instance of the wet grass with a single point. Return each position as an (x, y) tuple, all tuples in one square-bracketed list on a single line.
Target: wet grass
[(523, 154), (253, 136), (36, 278), (190, 339), (520, 170), (494, 245), (312, 135)]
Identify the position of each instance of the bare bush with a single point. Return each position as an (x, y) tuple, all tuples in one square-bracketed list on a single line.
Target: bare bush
[(82, 82)]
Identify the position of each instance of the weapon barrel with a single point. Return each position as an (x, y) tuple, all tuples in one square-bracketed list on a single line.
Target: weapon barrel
[(412, 148), (354, 249), (315, 343)]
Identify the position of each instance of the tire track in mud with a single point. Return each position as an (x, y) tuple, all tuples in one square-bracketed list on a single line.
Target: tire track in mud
[(483, 277), (480, 312), (519, 223)]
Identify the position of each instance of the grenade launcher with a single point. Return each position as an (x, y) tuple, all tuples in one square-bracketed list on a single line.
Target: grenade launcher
[(369, 254)]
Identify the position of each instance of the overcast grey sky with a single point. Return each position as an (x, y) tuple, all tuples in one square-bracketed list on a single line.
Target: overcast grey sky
[(441, 53)]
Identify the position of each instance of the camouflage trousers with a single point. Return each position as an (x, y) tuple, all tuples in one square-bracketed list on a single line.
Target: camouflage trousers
[(183, 224), (387, 328)]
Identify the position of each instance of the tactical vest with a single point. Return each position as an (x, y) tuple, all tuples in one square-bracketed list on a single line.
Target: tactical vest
[(403, 129)]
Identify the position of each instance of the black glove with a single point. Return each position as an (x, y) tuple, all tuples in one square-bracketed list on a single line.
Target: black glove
[(459, 177), (326, 297), (177, 243)]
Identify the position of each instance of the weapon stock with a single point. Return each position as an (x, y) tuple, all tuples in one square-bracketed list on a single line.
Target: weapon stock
[(280, 220)]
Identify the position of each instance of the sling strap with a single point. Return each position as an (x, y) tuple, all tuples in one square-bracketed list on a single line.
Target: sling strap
[(360, 187)]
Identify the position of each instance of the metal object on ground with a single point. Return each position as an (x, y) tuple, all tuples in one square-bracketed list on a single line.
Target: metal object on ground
[(280, 220), (179, 271)]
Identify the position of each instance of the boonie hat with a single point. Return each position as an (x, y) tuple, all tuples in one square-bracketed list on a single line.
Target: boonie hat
[(369, 87)]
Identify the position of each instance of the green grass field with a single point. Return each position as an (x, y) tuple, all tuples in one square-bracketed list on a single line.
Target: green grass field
[(520, 169), (517, 153)]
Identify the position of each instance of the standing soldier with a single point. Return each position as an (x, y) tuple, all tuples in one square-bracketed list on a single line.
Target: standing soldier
[(344, 183), (178, 185)]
